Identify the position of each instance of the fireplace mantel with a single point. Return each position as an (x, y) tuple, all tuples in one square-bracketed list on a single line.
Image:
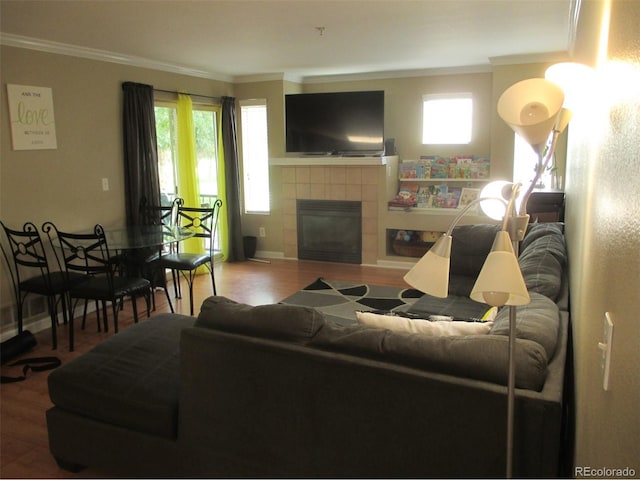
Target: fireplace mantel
[(331, 160)]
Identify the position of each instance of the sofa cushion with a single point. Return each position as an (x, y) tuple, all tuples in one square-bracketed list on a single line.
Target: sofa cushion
[(470, 246), (538, 230), (459, 307), (539, 321), (277, 321), (542, 259), (480, 357), (132, 379), (399, 323)]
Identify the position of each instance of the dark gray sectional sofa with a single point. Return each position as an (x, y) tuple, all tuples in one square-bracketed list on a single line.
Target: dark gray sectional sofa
[(278, 391)]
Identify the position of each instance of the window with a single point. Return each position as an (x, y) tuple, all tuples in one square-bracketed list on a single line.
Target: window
[(447, 118), (525, 162), (255, 155), (205, 122), (167, 152)]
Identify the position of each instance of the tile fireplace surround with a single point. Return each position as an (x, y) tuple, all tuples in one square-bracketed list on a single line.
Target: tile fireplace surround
[(335, 182)]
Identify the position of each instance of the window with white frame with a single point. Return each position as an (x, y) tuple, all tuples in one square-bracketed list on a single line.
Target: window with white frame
[(525, 161), (447, 118), (255, 155)]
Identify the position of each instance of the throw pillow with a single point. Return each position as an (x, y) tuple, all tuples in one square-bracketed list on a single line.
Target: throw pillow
[(436, 328), (456, 306)]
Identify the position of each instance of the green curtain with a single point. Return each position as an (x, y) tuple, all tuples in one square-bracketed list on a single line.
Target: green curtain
[(187, 165)]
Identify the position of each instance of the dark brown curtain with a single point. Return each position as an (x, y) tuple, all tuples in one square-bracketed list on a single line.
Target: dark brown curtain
[(140, 149), (232, 179)]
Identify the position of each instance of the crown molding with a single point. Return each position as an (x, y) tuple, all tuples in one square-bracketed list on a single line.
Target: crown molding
[(549, 57), (267, 77), (48, 46), (430, 72)]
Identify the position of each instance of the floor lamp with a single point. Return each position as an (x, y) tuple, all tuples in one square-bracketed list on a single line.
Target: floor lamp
[(500, 283), (533, 109)]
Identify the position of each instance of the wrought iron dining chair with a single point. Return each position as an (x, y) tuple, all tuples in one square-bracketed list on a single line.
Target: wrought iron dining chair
[(30, 272), (165, 215), (88, 254), (204, 222)]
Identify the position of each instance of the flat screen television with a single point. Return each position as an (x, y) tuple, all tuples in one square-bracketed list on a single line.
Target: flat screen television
[(337, 123)]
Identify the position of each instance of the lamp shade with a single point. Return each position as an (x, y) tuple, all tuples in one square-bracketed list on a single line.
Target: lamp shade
[(500, 281), (530, 108), (576, 80), (431, 273)]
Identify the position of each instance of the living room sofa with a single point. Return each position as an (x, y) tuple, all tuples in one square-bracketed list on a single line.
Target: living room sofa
[(280, 391)]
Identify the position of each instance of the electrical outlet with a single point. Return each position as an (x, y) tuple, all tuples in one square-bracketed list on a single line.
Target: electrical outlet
[(605, 346), (105, 184), (262, 232)]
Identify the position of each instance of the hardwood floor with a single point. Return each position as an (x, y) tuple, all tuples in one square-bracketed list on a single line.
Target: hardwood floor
[(24, 449)]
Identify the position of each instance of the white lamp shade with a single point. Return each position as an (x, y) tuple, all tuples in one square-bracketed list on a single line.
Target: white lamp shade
[(500, 281), (431, 274), (530, 108), (576, 80)]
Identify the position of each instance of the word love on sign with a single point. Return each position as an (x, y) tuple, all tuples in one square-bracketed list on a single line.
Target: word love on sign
[(33, 126)]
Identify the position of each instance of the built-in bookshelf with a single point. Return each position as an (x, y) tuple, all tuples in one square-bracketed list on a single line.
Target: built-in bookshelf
[(421, 219)]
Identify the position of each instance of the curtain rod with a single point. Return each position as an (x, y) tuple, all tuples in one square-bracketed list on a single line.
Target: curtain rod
[(219, 99)]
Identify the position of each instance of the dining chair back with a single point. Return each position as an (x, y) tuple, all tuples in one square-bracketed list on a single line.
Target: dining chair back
[(160, 214), (30, 272), (88, 254), (203, 221), (166, 215)]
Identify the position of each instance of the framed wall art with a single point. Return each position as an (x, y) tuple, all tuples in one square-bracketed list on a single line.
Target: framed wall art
[(33, 125)]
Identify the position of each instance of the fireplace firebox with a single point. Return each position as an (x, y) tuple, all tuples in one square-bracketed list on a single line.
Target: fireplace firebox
[(329, 230)]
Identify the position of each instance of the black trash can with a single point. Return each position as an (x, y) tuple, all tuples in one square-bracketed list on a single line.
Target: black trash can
[(249, 245)]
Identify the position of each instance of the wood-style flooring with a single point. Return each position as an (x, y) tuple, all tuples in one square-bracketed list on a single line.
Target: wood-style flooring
[(24, 448)]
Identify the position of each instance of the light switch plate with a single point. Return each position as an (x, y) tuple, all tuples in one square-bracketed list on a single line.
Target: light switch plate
[(605, 346)]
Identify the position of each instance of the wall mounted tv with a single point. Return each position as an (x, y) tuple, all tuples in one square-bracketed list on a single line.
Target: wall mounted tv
[(338, 123)]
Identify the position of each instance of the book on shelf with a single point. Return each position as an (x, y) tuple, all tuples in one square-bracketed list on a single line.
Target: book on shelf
[(463, 167), (414, 169), (406, 197), (467, 196), (407, 169), (442, 196), (439, 167)]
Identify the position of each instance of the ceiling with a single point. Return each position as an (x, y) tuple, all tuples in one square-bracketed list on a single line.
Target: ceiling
[(297, 39)]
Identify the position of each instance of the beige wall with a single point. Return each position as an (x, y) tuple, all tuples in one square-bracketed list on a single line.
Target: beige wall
[(403, 121), (273, 93), (603, 233), (403, 109), (65, 185)]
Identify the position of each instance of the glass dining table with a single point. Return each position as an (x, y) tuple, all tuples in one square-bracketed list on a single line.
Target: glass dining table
[(133, 237)]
